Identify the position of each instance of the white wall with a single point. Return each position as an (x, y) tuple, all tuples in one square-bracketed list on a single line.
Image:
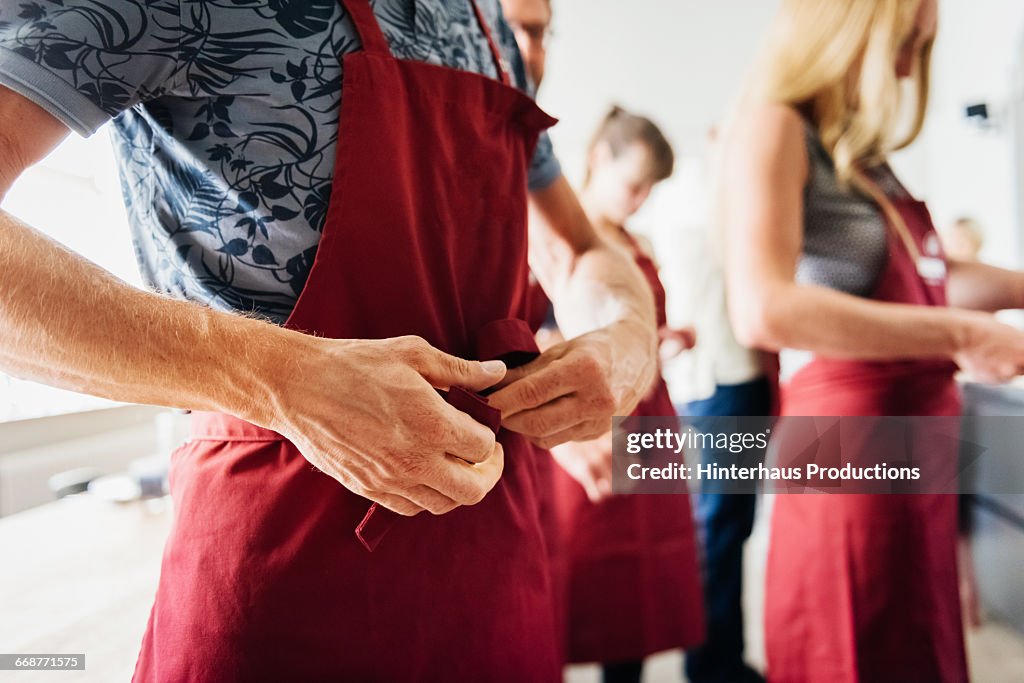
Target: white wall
[(677, 61), (957, 168), (74, 197)]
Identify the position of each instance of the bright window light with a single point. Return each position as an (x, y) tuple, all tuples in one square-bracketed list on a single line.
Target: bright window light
[(74, 196)]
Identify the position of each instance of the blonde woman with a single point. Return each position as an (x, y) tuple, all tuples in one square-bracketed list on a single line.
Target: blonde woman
[(834, 264)]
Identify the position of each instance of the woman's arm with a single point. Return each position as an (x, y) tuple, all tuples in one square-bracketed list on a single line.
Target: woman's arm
[(981, 287), (766, 167)]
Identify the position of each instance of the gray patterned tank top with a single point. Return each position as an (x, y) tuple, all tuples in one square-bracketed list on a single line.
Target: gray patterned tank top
[(844, 243)]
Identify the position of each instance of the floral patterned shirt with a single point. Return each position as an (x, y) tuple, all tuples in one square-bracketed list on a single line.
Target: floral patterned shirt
[(225, 120)]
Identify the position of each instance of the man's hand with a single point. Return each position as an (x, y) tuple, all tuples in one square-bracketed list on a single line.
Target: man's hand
[(571, 392), (604, 306), (367, 414)]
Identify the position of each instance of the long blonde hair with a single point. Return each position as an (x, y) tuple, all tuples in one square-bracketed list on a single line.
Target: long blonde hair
[(834, 61)]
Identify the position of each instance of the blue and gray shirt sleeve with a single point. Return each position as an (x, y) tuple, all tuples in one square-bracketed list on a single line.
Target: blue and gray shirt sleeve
[(545, 168), (86, 61)]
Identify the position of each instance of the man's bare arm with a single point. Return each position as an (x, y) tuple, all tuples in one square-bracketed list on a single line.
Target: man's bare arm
[(605, 309), (591, 283), (363, 411)]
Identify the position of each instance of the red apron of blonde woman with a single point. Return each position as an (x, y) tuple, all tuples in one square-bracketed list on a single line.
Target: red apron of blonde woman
[(881, 603)]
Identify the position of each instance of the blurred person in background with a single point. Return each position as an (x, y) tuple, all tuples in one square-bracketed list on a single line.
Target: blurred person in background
[(606, 550), (963, 239), (531, 23), (834, 264), (719, 378), (629, 562)]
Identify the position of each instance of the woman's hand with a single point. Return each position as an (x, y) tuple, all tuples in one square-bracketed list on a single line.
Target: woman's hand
[(589, 463), (366, 413), (675, 340), (988, 350)]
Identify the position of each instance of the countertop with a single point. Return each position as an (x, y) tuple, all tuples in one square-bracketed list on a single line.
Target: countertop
[(79, 576)]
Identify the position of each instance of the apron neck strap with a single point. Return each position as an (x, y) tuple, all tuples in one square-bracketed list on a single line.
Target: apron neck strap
[(370, 35), (374, 42), (499, 62)]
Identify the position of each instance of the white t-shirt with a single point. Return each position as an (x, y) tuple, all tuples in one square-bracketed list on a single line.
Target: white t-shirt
[(692, 270)]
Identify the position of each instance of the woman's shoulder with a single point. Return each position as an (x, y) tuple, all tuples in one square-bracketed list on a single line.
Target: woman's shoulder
[(772, 121), (772, 137)]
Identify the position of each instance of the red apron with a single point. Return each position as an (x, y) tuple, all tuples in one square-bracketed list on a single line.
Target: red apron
[(628, 564), (264, 577), (864, 587)]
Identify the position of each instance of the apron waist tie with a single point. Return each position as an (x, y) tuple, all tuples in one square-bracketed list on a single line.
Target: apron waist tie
[(508, 340)]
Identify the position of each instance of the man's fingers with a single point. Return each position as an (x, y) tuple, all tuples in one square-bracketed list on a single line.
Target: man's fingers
[(447, 427), (469, 440), (513, 375), (551, 418), (395, 503), (445, 371), (431, 500), (532, 391), (583, 431), (451, 483), (467, 484)]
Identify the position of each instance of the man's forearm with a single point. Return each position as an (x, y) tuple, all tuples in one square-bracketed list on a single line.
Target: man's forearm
[(606, 295), (68, 323), (603, 289), (592, 285)]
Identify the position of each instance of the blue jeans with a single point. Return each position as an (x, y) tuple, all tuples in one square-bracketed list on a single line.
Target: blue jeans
[(724, 522)]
